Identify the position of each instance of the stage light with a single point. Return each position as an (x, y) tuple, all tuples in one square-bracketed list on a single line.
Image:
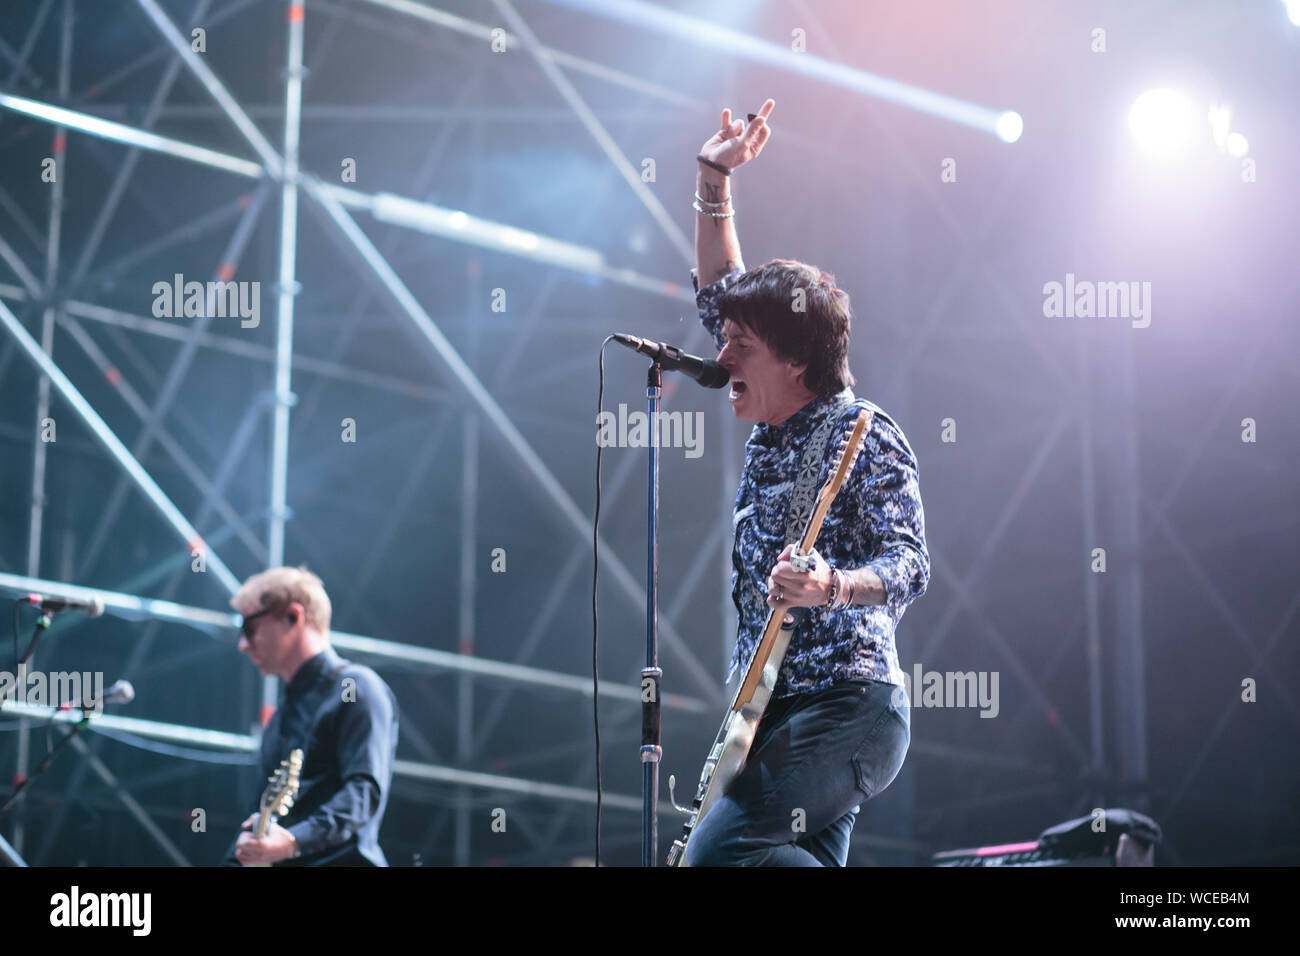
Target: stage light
[(1220, 125), (517, 238), (1164, 123), (721, 40), (1237, 145), (455, 224), (1293, 10), (120, 133), (1009, 126)]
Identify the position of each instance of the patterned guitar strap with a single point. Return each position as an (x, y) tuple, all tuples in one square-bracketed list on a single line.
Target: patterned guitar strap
[(806, 484), (810, 471)]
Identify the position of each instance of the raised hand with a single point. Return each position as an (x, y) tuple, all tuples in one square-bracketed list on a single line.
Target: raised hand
[(736, 143)]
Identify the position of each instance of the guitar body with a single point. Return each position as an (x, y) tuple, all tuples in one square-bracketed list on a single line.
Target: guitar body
[(730, 748)]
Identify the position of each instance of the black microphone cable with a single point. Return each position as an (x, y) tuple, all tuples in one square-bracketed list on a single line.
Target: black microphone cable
[(595, 577)]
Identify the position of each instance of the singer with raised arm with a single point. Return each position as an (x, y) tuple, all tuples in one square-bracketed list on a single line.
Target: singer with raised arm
[(837, 727), (342, 716)]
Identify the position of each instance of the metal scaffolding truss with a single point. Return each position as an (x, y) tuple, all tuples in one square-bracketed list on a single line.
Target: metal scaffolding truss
[(278, 173)]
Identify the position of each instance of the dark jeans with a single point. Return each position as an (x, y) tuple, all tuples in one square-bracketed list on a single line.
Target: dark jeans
[(816, 757)]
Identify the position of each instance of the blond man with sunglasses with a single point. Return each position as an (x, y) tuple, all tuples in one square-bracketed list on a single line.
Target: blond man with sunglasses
[(342, 716)]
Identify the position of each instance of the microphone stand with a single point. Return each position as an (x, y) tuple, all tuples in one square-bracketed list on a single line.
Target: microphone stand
[(42, 625), (651, 674), (44, 764), (711, 375)]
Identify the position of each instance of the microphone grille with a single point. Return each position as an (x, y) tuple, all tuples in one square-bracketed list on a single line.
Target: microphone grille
[(714, 375)]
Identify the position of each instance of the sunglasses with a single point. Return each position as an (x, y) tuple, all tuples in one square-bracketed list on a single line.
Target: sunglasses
[(246, 629)]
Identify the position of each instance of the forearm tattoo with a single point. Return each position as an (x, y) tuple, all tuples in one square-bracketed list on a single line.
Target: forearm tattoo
[(713, 192)]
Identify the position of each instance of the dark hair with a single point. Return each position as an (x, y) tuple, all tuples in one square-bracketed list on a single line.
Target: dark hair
[(800, 314)]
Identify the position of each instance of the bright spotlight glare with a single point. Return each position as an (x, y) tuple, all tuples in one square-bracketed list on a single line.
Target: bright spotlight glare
[(1010, 125), (1237, 145), (1293, 11), (1163, 122)]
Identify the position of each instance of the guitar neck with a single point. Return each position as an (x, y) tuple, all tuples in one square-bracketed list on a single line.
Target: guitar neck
[(807, 541), (776, 618)]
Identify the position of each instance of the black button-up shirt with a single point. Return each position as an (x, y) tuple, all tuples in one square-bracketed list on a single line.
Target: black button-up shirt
[(344, 717)]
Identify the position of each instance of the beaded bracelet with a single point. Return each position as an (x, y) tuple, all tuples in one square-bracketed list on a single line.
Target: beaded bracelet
[(705, 202), (835, 587), (843, 587), (716, 215)]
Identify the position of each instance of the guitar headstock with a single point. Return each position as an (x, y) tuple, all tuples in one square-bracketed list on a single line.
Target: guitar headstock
[(847, 453), (282, 787)]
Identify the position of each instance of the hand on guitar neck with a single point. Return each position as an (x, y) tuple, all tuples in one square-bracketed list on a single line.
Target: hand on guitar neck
[(267, 842), (787, 586), (277, 845)]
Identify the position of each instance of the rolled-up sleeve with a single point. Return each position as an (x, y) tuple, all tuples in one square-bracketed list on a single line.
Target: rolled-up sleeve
[(891, 499), (365, 747)]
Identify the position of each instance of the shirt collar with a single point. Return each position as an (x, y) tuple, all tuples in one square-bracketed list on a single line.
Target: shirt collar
[(311, 669), (801, 421)]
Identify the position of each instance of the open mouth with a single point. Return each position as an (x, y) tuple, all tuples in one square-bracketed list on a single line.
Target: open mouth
[(737, 389)]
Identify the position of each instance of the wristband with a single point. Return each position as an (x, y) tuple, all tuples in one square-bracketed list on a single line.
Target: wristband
[(712, 165)]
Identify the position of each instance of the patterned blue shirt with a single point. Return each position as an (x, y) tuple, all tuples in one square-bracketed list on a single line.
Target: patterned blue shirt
[(876, 521)]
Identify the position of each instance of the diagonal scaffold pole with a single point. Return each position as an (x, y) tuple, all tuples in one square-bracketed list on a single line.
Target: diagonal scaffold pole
[(630, 174), (152, 417), (496, 415), (328, 201), (157, 497)]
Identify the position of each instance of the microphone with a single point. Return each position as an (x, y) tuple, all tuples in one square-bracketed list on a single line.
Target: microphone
[(91, 608), (705, 371), (119, 692)]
